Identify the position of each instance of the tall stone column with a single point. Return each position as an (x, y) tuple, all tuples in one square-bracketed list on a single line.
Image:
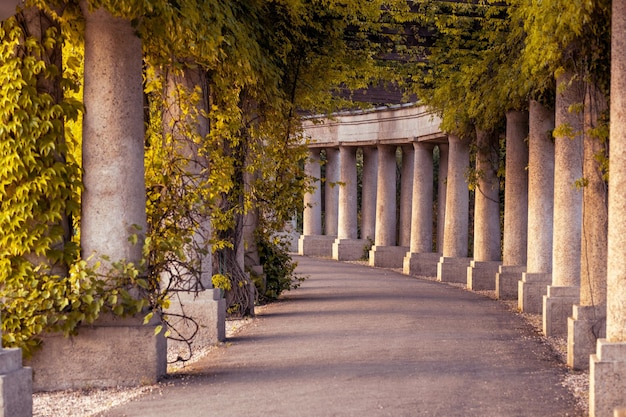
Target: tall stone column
[(193, 295), (331, 201), (607, 373), (114, 351), (568, 167), (442, 185), (385, 253), (312, 242), (453, 263), (369, 184), (515, 206), (481, 274), (421, 260), (588, 321), (347, 247), (406, 195), (538, 275)]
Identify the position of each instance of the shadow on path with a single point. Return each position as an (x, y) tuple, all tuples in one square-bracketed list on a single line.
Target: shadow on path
[(359, 341)]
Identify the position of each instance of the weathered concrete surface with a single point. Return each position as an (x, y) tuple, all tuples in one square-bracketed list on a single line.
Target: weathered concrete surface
[(16, 385), (358, 341)]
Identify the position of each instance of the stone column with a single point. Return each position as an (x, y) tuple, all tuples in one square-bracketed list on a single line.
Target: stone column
[(16, 384), (347, 247), (588, 321), (442, 185), (312, 243), (369, 184), (113, 209), (385, 253), (453, 263), (515, 206), (331, 193), (195, 296), (538, 275), (607, 373), (406, 195), (421, 260), (568, 168), (481, 274)]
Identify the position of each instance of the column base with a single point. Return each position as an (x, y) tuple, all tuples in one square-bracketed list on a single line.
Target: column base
[(349, 249), (16, 385), (481, 275), (421, 264), (607, 383), (208, 310), (507, 280), (557, 308), (584, 328), (387, 256), (112, 352), (453, 269), (316, 245), (531, 290)]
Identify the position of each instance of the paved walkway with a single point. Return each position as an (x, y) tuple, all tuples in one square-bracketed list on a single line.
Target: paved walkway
[(358, 341)]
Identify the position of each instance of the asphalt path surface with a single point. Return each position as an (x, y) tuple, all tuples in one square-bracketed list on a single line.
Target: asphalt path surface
[(360, 341)]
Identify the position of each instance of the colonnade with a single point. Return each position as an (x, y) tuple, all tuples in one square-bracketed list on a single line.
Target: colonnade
[(551, 261)]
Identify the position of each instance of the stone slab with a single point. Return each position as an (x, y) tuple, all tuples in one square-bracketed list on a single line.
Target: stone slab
[(109, 353), (208, 311), (350, 249), (584, 328), (557, 308), (320, 246), (481, 275), (16, 389), (607, 385), (16, 385), (421, 264), (387, 256), (453, 269), (531, 290), (507, 279)]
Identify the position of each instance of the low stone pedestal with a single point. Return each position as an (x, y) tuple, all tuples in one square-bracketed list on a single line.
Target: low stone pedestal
[(207, 309), (349, 249), (16, 385), (113, 352), (421, 264), (531, 290), (557, 308), (507, 280), (453, 269), (584, 328), (481, 275), (321, 246), (607, 385), (387, 256)]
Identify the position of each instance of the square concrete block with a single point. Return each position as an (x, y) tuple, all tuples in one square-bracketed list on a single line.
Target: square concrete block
[(387, 256), (453, 269), (321, 246), (584, 328), (421, 264), (113, 352), (481, 275), (557, 307), (349, 249), (531, 290), (207, 310), (16, 385), (507, 280), (607, 379)]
